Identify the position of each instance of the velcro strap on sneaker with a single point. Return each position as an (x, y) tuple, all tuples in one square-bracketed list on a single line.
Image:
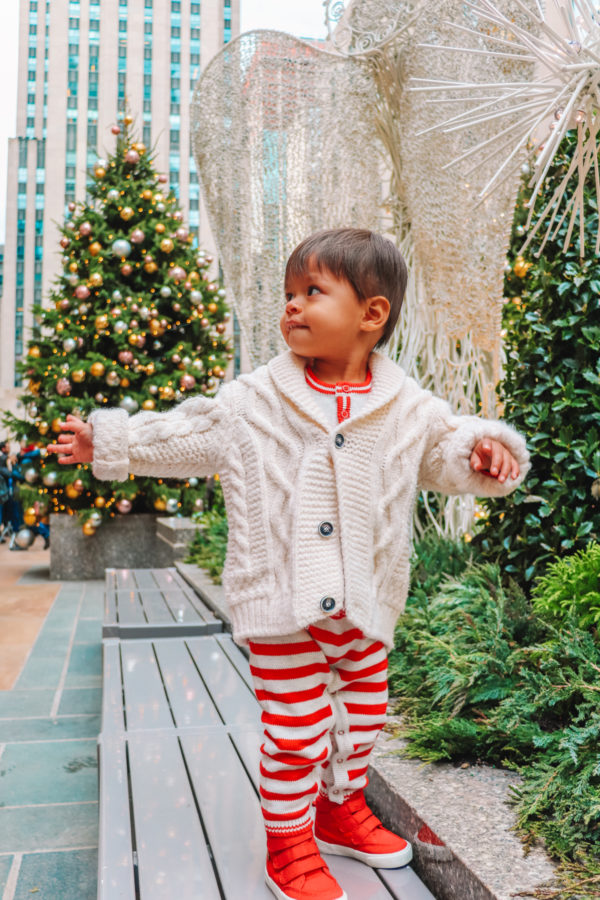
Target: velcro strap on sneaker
[(311, 863)]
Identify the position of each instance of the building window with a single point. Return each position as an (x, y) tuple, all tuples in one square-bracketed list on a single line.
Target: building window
[(195, 33), (123, 25), (175, 31), (147, 135)]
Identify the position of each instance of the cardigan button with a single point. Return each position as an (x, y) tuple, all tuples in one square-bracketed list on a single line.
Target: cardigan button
[(325, 529), (339, 440), (327, 604)]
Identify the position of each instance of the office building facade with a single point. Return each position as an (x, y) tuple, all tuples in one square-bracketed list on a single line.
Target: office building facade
[(82, 64)]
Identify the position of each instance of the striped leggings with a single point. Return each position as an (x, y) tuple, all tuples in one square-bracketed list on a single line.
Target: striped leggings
[(324, 695)]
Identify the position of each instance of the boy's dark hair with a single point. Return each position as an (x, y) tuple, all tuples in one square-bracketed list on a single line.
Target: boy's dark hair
[(369, 262)]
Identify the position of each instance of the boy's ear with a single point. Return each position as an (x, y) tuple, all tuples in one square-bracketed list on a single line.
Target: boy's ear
[(376, 312)]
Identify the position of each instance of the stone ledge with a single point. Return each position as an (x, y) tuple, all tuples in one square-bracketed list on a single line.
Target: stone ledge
[(483, 859), (177, 532)]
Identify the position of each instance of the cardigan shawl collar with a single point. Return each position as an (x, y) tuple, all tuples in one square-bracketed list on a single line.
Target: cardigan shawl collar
[(287, 370)]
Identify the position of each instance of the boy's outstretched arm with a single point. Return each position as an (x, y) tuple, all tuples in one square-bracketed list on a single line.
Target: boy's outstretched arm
[(492, 458), (75, 443)]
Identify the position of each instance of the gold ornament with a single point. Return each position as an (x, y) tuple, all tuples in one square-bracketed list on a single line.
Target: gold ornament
[(96, 279), (147, 194), (88, 529), (34, 386), (56, 425), (133, 339), (221, 327), (141, 148), (158, 197), (218, 372), (126, 213), (155, 327), (95, 248), (99, 502), (160, 228), (101, 322), (166, 393), (212, 307), (43, 427), (150, 369), (78, 375), (167, 245), (73, 267), (29, 516), (99, 172), (128, 120), (71, 492), (125, 382), (521, 267), (150, 267), (97, 369), (160, 504), (193, 277), (60, 326), (34, 351), (148, 404)]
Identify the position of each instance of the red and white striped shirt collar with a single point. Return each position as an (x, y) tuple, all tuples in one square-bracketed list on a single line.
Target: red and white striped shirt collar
[(342, 390)]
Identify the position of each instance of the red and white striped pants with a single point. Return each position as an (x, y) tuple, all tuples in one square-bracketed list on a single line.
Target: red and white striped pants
[(324, 695)]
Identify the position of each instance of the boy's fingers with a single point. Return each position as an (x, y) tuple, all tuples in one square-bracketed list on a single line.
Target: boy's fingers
[(516, 471), (506, 467)]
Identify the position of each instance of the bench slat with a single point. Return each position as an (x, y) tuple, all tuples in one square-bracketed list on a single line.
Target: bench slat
[(112, 692), (405, 884), (231, 815), (115, 862), (146, 703), (155, 607), (173, 860), (231, 696), (190, 701), (129, 608), (124, 579), (237, 657)]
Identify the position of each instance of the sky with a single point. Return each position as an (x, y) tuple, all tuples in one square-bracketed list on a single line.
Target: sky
[(303, 18)]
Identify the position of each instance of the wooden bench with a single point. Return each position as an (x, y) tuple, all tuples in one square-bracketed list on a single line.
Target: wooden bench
[(154, 603), (178, 755)]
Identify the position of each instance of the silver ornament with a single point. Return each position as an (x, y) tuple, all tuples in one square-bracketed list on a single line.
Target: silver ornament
[(222, 293), (31, 476), (120, 326), (95, 519), (50, 479), (129, 404), (165, 291), (113, 195), (69, 345), (117, 296), (24, 538), (112, 379), (144, 312), (196, 297), (193, 482), (172, 505)]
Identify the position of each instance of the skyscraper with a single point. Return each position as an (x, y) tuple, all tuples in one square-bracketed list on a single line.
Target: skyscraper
[(81, 64)]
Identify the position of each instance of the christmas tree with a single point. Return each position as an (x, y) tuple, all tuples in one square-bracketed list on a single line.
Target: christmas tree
[(133, 321)]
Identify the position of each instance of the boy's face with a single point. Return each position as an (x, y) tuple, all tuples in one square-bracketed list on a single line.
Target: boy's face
[(322, 316)]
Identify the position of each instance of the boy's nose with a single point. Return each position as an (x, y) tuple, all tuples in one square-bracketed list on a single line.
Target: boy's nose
[(292, 306)]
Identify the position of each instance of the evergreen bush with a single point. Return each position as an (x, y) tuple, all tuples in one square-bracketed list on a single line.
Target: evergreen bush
[(551, 392), (209, 546), (570, 588)]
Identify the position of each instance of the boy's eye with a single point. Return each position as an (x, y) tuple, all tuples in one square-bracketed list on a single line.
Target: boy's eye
[(313, 289)]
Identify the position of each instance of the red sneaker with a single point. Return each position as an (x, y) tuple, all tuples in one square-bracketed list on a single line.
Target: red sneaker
[(296, 871), (351, 829)]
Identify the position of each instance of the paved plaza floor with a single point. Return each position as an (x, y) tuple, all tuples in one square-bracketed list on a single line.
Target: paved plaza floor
[(50, 698)]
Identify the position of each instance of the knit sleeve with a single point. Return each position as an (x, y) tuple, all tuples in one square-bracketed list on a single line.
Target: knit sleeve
[(190, 439), (445, 465)]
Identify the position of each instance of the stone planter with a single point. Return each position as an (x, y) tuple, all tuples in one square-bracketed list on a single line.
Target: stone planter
[(140, 541)]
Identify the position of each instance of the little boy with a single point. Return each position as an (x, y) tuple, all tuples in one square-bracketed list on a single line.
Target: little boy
[(321, 454)]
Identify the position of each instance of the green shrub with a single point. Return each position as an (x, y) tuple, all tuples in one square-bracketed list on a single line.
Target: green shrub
[(570, 588), (478, 676), (551, 392), (209, 546)]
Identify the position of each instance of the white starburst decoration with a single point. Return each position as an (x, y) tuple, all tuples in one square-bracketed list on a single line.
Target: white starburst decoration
[(564, 93)]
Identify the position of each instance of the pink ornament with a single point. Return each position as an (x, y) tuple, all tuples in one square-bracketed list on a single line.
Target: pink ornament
[(124, 506), (85, 228), (188, 285), (177, 307), (137, 236), (115, 129), (178, 215), (177, 273), (126, 269), (71, 206), (182, 234), (141, 340), (176, 358), (64, 304), (132, 157), (187, 382), (82, 292), (125, 357), (64, 242), (63, 387), (80, 342), (163, 179)]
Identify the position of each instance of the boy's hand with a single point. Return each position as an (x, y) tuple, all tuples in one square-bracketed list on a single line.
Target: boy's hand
[(76, 447), (492, 458)]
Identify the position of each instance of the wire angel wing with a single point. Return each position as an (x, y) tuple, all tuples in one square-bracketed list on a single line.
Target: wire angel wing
[(283, 134)]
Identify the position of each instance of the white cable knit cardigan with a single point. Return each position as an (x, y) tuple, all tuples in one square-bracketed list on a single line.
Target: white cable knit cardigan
[(285, 471)]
